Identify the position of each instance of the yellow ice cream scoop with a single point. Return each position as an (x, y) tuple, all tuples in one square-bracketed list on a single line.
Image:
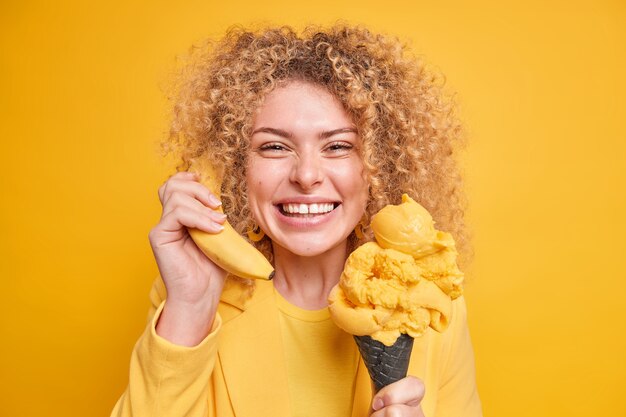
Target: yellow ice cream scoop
[(381, 294), (409, 228)]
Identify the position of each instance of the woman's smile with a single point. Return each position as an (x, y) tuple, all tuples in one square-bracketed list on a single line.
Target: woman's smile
[(306, 215), (306, 210), (306, 187)]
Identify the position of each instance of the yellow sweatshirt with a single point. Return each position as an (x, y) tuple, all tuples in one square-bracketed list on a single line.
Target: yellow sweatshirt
[(240, 368)]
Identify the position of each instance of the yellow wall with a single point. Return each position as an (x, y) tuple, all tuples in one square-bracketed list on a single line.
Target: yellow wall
[(541, 89)]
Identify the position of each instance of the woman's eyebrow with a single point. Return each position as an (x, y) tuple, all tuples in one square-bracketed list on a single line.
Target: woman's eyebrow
[(288, 135), (326, 135), (273, 131)]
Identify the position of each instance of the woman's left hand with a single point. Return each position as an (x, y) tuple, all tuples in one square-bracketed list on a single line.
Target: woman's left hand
[(402, 398)]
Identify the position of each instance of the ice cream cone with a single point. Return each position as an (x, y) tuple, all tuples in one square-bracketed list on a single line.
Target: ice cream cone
[(385, 364)]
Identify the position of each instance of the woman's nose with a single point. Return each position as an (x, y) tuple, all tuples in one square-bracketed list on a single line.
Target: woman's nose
[(306, 171)]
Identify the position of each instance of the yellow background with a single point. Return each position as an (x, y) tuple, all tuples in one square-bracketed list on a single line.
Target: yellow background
[(542, 92)]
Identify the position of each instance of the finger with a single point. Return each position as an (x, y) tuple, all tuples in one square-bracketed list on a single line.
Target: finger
[(188, 184), (399, 410), (182, 199), (179, 175), (186, 217), (407, 391), (193, 188)]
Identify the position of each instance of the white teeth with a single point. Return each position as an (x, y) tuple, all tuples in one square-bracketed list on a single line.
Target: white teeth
[(308, 208)]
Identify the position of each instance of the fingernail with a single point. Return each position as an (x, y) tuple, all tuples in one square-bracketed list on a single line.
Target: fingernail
[(214, 200), (378, 404)]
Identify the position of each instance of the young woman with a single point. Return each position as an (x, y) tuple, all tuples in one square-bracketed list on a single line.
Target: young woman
[(315, 133)]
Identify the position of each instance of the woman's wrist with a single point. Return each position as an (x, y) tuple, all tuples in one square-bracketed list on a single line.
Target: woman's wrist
[(186, 324)]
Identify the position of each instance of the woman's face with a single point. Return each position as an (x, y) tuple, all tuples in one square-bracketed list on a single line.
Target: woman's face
[(305, 180)]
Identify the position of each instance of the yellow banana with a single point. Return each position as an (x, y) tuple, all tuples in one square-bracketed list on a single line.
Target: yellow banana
[(227, 248)]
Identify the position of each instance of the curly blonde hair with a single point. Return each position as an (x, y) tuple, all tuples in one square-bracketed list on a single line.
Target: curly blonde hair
[(408, 126)]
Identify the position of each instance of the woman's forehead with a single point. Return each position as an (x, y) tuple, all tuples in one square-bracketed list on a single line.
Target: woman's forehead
[(299, 102)]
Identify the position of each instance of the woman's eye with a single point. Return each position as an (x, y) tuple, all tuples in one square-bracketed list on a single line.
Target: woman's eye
[(339, 147), (272, 147)]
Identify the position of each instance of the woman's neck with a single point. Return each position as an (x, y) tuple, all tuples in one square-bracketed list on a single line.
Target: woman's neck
[(306, 281)]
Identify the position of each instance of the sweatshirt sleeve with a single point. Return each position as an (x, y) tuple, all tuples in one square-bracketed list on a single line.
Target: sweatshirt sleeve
[(166, 379), (458, 395)]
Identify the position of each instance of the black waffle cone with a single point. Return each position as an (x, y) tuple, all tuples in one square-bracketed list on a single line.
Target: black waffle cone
[(386, 364)]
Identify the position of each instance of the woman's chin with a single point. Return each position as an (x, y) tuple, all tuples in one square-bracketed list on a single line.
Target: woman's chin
[(309, 247)]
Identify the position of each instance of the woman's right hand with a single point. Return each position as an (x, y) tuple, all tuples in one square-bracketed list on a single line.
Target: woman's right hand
[(193, 282)]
